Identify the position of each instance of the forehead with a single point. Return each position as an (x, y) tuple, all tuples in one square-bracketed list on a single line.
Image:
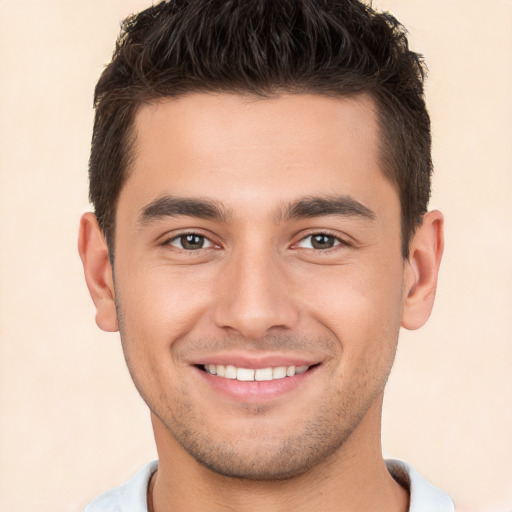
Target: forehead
[(243, 150)]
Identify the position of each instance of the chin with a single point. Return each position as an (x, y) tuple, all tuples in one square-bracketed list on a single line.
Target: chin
[(258, 466), (263, 456)]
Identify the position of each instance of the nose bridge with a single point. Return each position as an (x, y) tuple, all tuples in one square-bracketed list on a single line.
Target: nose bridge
[(252, 296)]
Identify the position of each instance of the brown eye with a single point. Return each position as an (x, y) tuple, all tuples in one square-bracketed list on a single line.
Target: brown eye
[(322, 241), (319, 241), (191, 242)]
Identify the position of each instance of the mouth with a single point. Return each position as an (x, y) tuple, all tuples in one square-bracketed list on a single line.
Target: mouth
[(255, 379), (254, 374)]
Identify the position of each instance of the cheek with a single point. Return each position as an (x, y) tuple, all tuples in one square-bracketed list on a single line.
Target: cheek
[(363, 311), (361, 304), (156, 307), (158, 304)]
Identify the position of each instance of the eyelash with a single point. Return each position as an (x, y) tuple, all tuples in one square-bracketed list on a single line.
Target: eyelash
[(337, 241), (189, 234)]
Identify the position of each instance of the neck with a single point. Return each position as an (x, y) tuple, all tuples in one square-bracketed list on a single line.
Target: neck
[(353, 478)]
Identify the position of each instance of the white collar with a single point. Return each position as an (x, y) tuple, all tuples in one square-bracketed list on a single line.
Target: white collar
[(424, 497), (132, 496)]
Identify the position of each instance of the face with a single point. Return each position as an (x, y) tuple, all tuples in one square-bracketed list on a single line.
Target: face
[(259, 277)]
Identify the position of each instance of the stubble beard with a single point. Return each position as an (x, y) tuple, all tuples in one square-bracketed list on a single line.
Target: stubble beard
[(263, 454)]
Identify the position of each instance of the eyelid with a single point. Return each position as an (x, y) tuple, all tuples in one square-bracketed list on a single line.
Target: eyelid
[(340, 241), (207, 245), (168, 238)]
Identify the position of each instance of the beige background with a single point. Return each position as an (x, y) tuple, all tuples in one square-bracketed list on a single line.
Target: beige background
[(71, 423)]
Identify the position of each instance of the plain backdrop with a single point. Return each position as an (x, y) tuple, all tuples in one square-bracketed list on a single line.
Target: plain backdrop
[(71, 422)]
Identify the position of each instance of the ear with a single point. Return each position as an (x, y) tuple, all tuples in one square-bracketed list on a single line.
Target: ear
[(93, 250), (421, 270)]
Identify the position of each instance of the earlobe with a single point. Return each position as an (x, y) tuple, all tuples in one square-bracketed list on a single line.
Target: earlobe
[(421, 270), (94, 253)]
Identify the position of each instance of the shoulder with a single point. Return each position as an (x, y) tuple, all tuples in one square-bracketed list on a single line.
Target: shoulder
[(129, 497), (424, 497)]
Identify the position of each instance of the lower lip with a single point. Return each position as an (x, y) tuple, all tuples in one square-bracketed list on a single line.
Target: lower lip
[(255, 391)]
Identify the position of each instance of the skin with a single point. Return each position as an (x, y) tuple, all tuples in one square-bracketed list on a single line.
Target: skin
[(262, 287)]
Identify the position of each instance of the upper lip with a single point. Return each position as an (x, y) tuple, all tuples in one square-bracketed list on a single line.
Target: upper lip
[(254, 361)]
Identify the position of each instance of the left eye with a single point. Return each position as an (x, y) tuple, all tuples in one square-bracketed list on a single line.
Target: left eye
[(319, 241), (191, 242)]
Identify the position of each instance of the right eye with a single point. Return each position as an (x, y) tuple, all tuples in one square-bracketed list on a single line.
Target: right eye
[(190, 242)]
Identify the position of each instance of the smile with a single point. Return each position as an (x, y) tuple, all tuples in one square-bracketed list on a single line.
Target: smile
[(254, 374)]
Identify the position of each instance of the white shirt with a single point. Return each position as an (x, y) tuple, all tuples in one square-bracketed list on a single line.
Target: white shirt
[(132, 496)]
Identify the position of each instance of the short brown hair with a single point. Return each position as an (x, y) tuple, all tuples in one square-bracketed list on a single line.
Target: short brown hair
[(265, 47)]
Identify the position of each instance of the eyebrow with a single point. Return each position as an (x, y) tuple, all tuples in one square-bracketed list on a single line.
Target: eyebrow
[(312, 206), (305, 207), (169, 206)]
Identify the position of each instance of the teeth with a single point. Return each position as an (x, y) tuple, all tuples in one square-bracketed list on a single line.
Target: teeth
[(248, 374), (263, 374), (230, 372), (279, 372), (244, 374)]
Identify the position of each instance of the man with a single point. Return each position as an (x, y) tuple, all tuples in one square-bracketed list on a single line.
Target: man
[(260, 173)]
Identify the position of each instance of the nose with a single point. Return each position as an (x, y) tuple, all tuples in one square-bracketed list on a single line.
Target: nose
[(253, 297)]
